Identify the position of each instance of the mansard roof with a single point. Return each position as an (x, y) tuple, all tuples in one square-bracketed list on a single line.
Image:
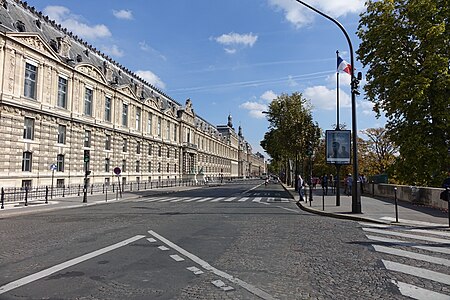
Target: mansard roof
[(18, 16)]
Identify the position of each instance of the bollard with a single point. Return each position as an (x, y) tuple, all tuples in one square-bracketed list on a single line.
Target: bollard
[(145, 185), (117, 194), (447, 190), (26, 196), (131, 187), (106, 193), (113, 187), (103, 185), (323, 201), (396, 205), (310, 194), (3, 199), (79, 187), (64, 190), (92, 189), (46, 194)]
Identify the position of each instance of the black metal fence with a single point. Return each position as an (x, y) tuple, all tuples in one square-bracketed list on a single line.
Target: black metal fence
[(26, 194)]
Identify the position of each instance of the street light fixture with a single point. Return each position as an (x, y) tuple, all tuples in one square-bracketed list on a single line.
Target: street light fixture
[(356, 196)]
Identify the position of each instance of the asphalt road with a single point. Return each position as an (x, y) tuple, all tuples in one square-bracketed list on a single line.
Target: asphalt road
[(238, 241)]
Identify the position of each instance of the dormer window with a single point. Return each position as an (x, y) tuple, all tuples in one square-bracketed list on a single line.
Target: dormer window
[(20, 26), (38, 23)]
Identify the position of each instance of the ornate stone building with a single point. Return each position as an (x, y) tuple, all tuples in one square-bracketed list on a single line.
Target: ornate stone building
[(66, 108)]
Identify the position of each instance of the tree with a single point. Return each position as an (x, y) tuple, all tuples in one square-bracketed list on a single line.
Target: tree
[(378, 153), (405, 45), (291, 129)]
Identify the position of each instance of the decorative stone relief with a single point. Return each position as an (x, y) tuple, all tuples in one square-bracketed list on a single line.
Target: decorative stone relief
[(64, 46), (91, 72), (108, 71), (12, 69)]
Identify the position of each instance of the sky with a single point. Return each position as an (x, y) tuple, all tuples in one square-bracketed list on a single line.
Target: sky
[(229, 57)]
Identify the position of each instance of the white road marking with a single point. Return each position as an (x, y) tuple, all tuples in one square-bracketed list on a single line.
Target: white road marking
[(401, 228), (151, 240), (205, 199), (218, 199), (252, 289), (229, 199), (168, 199), (252, 189), (418, 293), (435, 248), (176, 257), (409, 254), (192, 199), (257, 199), (243, 199), (152, 199), (44, 273), (412, 222), (178, 200), (418, 272), (195, 270), (220, 284), (163, 248), (406, 235)]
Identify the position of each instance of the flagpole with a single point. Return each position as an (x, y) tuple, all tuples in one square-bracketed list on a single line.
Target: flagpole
[(337, 94)]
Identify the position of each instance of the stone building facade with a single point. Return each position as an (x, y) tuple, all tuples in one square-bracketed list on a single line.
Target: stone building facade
[(66, 108)]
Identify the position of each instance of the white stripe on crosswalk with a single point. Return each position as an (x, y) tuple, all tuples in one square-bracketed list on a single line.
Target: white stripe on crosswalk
[(401, 228), (229, 199), (192, 199), (257, 199), (436, 248), (168, 199), (152, 199), (243, 199), (412, 222), (179, 199), (406, 235), (205, 199), (409, 254), (418, 272), (218, 199), (418, 293)]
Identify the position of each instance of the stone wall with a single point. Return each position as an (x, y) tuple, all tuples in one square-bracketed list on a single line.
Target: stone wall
[(414, 194)]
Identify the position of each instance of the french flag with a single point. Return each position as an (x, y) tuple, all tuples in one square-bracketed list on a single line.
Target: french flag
[(342, 65)]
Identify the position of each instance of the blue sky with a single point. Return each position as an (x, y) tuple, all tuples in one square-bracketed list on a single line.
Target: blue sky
[(228, 57)]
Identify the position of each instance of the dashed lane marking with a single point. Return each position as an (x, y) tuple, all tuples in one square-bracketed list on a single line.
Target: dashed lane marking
[(44, 273)]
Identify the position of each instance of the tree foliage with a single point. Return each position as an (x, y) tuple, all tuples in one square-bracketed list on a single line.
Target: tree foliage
[(291, 128), (405, 45)]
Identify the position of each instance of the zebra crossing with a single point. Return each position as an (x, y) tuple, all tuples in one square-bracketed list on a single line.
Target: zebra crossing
[(235, 199), (422, 254)]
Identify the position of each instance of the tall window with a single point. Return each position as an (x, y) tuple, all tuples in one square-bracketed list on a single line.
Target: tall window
[(125, 115), (149, 149), (149, 123), (159, 151), (106, 164), (138, 119), (175, 132), (125, 145), (30, 81), (60, 163), (28, 129), (168, 152), (159, 167), (88, 94), (87, 138), (107, 142), (108, 109), (138, 166), (149, 166), (159, 126), (168, 167), (61, 134), (175, 168), (124, 165), (27, 161), (138, 148), (168, 130), (62, 92)]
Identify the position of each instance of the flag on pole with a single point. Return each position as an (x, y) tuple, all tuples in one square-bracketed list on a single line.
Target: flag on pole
[(342, 65)]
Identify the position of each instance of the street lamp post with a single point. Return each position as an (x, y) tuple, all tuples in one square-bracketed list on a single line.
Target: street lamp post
[(356, 196)]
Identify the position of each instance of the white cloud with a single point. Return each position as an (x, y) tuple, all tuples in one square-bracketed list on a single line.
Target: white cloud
[(344, 79), (147, 48), (113, 51), (268, 96), (256, 108), (300, 15), (235, 40), (123, 14), (151, 78), (63, 16), (324, 98)]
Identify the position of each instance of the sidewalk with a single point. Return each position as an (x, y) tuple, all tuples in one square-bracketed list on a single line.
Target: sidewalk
[(373, 210), (37, 206)]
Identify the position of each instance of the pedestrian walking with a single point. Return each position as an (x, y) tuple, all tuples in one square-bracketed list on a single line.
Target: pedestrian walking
[(300, 184), (349, 184)]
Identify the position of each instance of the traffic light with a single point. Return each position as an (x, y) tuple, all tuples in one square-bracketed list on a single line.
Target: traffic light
[(87, 156)]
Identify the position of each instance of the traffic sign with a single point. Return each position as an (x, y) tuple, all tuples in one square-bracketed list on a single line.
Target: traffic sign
[(53, 167), (117, 171)]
